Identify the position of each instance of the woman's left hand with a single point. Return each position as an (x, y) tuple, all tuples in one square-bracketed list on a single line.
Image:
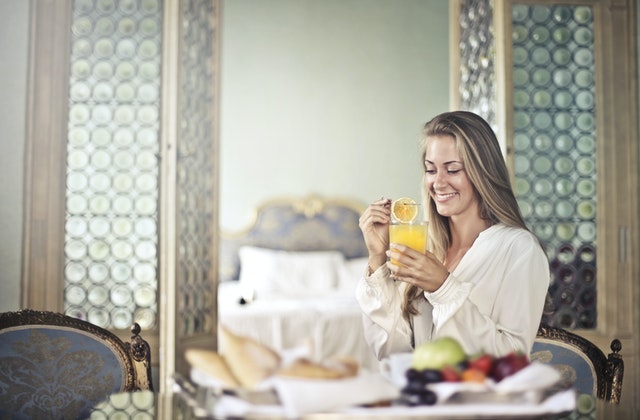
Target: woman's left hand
[(422, 270)]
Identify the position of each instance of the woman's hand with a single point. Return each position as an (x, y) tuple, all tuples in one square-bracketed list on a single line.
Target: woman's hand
[(374, 224), (422, 270)]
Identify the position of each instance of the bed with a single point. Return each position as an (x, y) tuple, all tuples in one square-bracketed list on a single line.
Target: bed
[(288, 280)]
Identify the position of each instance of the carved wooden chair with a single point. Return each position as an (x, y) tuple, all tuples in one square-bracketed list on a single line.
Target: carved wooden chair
[(56, 366), (582, 365)]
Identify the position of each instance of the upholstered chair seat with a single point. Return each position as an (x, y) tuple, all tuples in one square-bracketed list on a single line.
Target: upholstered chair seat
[(57, 367)]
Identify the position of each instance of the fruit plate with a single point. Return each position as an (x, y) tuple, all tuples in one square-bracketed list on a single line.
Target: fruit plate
[(527, 386)]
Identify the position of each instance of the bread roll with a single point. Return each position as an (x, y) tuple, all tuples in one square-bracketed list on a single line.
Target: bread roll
[(249, 361), (213, 364), (333, 369)]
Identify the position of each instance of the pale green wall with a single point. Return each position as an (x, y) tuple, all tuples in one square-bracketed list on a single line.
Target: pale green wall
[(318, 96), (327, 97), (14, 17)]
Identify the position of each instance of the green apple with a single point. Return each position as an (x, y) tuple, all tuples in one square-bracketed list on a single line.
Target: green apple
[(436, 354)]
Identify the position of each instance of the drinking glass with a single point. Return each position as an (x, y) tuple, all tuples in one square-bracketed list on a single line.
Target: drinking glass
[(412, 234)]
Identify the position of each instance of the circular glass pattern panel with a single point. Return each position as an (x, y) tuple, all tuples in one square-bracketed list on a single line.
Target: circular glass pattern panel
[(561, 14), (565, 231), (563, 121), (144, 272), (586, 209), (561, 56), (144, 296), (99, 317), (521, 188), (543, 187), (540, 56), (77, 181), (586, 188), (582, 14), (542, 120), (563, 99), (146, 318), (586, 144), (78, 136), (520, 77), (583, 57), (98, 272), (122, 227), (585, 165), (521, 164), (121, 272), (121, 319), (561, 35), (564, 143), (542, 165), (543, 142), (98, 295), (98, 226), (543, 208), (583, 78), (521, 142), (540, 35), (564, 187), (125, 70), (75, 250), (542, 99), (563, 165), (520, 55), (120, 295), (104, 26), (586, 122), (540, 77), (75, 295), (587, 231), (74, 272), (540, 14)]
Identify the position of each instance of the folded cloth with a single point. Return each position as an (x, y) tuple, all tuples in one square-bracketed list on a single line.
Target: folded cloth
[(304, 396)]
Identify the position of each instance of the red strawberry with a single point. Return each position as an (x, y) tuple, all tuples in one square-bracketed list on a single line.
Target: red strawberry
[(483, 363), (450, 374)]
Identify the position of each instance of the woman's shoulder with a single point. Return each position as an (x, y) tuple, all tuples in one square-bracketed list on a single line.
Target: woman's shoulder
[(510, 235)]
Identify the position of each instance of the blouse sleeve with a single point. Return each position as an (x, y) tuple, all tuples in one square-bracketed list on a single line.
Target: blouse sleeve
[(380, 299), (518, 288)]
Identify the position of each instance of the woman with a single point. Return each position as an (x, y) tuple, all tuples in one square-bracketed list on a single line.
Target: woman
[(485, 278)]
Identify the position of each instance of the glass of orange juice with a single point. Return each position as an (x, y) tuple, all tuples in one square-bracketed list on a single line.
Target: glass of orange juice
[(406, 227), (412, 234)]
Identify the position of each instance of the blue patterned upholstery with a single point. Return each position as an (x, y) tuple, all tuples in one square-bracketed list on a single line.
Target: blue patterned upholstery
[(57, 367), (305, 224), (581, 363)]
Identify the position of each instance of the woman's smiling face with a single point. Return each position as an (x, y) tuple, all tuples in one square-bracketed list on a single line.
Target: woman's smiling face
[(446, 179)]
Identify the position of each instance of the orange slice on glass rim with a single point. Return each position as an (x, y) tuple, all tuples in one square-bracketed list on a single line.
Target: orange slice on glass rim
[(404, 209)]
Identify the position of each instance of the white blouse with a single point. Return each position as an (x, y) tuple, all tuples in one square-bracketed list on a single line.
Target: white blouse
[(492, 302)]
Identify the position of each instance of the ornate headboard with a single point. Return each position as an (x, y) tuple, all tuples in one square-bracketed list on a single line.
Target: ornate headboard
[(311, 223)]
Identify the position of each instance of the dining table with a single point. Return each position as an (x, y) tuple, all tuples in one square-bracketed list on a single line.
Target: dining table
[(186, 400)]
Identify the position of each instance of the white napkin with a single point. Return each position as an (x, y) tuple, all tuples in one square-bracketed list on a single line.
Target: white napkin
[(526, 385), (303, 396)]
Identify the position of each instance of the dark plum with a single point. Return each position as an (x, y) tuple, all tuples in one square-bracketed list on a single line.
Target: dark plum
[(431, 376), (413, 375), (428, 397)]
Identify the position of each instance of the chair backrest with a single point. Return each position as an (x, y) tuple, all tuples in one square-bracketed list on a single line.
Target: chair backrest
[(582, 364), (56, 366)]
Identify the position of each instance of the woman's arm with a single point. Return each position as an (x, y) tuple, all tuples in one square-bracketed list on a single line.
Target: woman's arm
[(380, 299)]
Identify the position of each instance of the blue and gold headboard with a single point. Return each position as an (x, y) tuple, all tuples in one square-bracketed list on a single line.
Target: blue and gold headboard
[(303, 224)]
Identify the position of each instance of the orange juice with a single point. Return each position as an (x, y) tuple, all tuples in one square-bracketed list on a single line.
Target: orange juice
[(413, 235)]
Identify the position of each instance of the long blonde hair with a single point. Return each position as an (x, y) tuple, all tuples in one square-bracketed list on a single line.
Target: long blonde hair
[(487, 171)]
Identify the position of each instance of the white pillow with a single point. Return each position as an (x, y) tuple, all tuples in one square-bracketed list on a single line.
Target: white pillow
[(269, 273), (352, 271)]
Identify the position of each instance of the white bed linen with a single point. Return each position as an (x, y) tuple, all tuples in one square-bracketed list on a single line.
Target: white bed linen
[(330, 325)]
